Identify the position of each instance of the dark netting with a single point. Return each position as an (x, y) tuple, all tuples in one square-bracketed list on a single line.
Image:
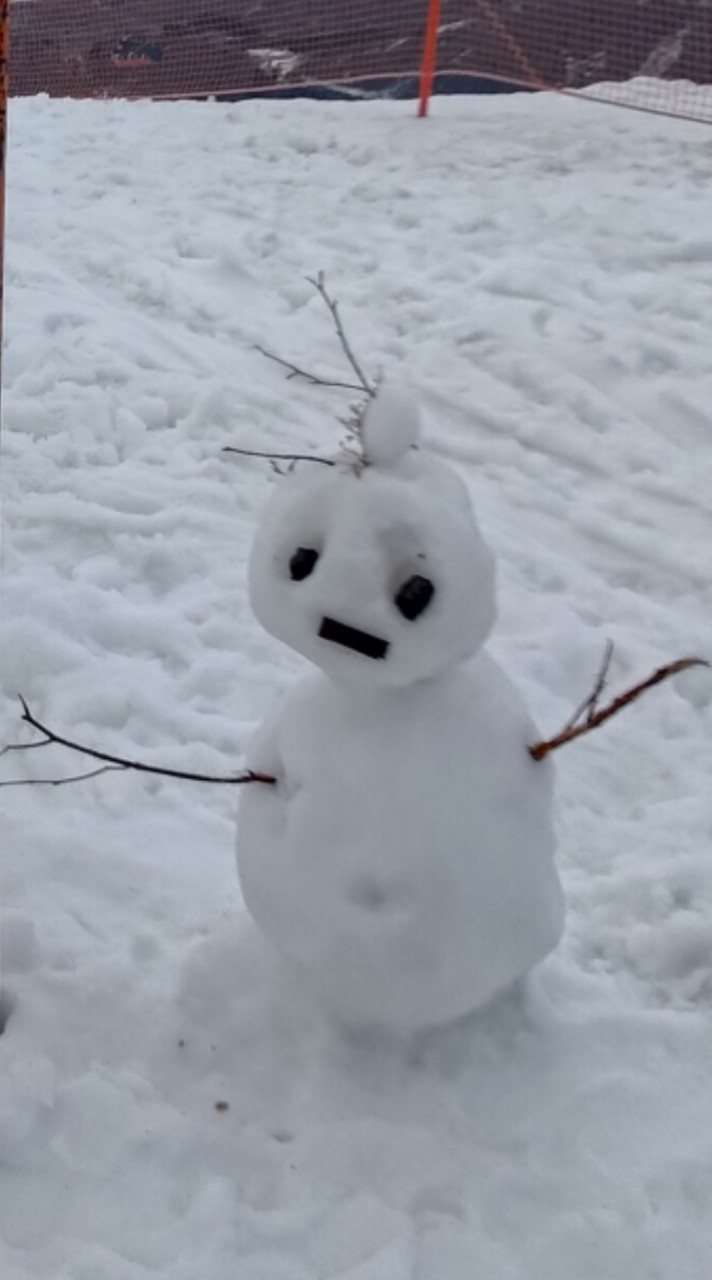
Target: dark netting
[(656, 54)]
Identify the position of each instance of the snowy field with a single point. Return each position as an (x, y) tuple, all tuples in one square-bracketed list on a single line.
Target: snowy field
[(541, 271)]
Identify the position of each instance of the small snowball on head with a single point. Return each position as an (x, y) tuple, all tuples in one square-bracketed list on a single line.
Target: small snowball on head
[(390, 426)]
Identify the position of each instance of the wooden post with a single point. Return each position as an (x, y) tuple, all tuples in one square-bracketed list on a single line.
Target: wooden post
[(430, 50), (4, 80)]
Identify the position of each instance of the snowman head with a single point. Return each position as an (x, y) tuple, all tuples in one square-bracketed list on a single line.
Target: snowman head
[(376, 572)]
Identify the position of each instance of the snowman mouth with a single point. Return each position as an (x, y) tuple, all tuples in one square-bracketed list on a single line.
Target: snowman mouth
[(351, 638)]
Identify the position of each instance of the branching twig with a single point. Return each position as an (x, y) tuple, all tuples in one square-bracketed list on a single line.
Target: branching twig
[(61, 782), (333, 307), (119, 762), (279, 457), (595, 717), (295, 371), (21, 746), (588, 717), (590, 704), (316, 380)]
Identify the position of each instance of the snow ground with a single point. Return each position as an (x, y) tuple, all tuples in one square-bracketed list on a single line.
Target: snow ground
[(542, 269)]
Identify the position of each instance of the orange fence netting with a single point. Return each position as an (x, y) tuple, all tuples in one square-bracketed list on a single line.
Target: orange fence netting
[(655, 54)]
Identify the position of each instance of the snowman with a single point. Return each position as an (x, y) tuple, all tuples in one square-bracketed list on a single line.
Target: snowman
[(403, 862)]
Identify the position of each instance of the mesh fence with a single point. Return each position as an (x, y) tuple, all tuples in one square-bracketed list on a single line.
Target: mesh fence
[(178, 48), (650, 53)]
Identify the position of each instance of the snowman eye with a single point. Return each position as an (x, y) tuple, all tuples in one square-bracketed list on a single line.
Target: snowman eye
[(302, 563), (414, 596)]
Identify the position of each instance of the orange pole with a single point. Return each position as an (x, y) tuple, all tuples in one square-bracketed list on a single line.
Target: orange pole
[(430, 49), (4, 45)]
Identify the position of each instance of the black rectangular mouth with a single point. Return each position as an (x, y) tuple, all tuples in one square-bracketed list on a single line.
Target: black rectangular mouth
[(352, 638)]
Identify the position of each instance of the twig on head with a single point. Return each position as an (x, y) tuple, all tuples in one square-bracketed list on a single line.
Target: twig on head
[(279, 457), (295, 371), (114, 762), (589, 716), (320, 285), (363, 386)]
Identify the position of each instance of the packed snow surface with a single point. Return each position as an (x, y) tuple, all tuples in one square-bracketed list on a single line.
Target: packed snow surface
[(541, 271)]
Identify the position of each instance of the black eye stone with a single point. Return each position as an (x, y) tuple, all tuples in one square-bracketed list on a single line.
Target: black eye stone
[(414, 596), (302, 563)]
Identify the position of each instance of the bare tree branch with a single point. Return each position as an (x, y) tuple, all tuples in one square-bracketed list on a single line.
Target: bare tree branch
[(333, 306), (596, 717), (120, 762), (295, 371), (279, 457)]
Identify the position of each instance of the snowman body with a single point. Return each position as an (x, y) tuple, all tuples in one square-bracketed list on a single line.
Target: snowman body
[(403, 861)]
